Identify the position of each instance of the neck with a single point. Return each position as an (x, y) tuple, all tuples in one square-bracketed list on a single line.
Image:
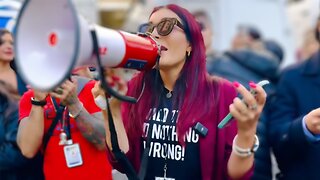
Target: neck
[(170, 76), (5, 66)]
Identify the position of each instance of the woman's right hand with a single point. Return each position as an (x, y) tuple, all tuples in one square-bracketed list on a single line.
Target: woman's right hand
[(116, 83), (98, 93)]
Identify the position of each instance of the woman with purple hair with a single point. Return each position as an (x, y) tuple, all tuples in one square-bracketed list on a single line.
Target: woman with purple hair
[(174, 123)]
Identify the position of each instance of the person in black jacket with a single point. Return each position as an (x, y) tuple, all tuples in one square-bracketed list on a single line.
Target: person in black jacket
[(13, 166), (295, 120), (253, 59)]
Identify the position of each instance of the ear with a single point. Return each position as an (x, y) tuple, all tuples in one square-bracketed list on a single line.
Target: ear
[(189, 48)]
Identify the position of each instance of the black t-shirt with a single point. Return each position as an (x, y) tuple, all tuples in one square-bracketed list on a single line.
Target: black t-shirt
[(183, 162)]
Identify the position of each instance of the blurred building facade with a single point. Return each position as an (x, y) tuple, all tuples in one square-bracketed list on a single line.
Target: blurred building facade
[(282, 20), (285, 21)]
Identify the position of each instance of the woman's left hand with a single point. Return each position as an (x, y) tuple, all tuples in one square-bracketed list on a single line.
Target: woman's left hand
[(247, 111), (67, 92)]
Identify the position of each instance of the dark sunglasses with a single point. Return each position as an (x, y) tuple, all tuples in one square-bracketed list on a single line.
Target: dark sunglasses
[(164, 27)]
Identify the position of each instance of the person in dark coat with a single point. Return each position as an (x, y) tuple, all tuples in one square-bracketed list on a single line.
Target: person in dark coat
[(253, 59), (13, 166), (295, 120)]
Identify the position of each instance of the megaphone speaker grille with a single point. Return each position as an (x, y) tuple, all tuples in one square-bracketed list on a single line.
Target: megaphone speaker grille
[(46, 42)]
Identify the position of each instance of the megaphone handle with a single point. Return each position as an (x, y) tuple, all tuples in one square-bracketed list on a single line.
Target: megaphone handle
[(104, 84)]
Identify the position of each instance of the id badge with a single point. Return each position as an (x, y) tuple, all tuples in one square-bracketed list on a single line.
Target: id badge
[(73, 155), (164, 178)]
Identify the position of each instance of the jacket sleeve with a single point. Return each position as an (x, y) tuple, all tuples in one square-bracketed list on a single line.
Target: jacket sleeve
[(10, 156), (231, 133), (286, 131)]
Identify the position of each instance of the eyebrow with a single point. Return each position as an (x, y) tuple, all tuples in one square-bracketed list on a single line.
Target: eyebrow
[(150, 22)]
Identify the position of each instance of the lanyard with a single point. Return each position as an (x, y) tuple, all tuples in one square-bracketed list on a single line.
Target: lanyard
[(64, 119)]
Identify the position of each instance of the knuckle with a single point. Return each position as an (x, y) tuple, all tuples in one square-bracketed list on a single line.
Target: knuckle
[(251, 116)]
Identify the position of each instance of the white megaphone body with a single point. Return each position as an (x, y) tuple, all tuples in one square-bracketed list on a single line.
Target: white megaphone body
[(51, 40)]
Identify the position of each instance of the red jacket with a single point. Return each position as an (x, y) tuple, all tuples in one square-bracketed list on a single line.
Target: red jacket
[(215, 147)]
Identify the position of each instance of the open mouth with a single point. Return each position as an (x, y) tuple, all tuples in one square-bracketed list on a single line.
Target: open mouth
[(163, 48)]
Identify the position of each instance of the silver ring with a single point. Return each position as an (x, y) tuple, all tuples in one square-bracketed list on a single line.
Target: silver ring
[(59, 91), (253, 107)]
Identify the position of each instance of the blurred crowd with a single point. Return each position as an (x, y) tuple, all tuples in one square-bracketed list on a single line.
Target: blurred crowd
[(288, 129)]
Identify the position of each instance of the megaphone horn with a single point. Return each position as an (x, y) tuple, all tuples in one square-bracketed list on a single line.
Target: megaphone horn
[(51, 42)]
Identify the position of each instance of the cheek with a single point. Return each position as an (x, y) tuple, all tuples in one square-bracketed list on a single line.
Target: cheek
[(178, 52), (179, 44)]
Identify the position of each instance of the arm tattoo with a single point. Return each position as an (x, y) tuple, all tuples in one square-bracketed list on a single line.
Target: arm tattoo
[(92, 128)]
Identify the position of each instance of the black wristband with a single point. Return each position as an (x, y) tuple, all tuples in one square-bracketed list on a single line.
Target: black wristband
[(38, 103)]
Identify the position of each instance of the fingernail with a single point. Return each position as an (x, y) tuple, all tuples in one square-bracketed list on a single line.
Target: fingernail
[(236, 84), (252, 84)]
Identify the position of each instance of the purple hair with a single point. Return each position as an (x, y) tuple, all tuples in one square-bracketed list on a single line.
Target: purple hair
[(195, 88)]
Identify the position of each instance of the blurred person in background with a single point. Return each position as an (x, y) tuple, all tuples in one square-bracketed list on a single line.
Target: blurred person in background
[(249, 59), (247, 37), (169, 99), (67, 127), (10, 157), (7, 72), (253, 59), (14, 86), (309, 46), (13, 165), (207, 31), (295, 119), (264, 164)]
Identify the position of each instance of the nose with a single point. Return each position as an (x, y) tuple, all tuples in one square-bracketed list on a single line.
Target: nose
[(155, 34), (10, 46)]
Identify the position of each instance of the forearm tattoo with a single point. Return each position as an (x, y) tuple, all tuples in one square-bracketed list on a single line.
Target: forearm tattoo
[(72, 99), (92, 128)]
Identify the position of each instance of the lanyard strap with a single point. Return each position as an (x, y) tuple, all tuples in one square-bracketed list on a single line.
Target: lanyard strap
[(120, 156), (68, 130), (145, 157), (65, 118), (59, 113)]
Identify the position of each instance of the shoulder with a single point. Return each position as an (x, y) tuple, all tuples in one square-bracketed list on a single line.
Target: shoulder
[(222, 84), (27, 95), (90, 83), (86, 88), (25, 99), (224, 90), (291, 74), (293, 70), (226, 86), (84, 91)]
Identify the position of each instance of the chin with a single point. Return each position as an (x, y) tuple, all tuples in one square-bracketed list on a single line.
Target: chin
[(164, 62), (163, 66), (6, 59)]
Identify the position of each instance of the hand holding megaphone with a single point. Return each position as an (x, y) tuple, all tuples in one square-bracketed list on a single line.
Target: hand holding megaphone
[(115, 82)]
